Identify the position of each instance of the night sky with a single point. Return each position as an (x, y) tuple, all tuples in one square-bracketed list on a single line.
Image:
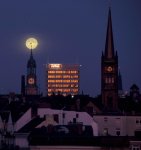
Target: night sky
[(68, 31)]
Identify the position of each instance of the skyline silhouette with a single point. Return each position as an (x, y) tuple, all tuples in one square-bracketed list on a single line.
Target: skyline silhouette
[(68, 32)]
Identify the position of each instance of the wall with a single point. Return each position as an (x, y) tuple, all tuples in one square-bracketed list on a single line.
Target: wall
[(21, 140), (125, 124)]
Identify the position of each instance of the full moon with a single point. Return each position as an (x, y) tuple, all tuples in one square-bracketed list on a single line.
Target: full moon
[(31, 43)]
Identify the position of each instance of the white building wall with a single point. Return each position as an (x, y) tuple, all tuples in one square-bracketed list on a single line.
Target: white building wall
[(125, 124), (21, 140), (133, 124), (23, 120)]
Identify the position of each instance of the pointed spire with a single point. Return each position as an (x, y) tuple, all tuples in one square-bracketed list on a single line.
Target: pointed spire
[(31, 54), (10, 127), (109, 46), (31, 62)]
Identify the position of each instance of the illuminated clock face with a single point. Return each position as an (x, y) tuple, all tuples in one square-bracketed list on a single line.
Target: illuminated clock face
[(31, 81), (109, 69)]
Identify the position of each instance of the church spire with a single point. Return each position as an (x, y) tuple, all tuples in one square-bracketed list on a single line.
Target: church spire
[(109, 71), (31, 55), (109, 45), (31, 64), (31, 79)]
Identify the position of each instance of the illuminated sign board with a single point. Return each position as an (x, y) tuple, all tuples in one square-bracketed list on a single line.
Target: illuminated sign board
[(55, 66)]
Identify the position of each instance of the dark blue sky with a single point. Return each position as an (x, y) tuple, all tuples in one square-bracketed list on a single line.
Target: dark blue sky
[(69, 31)]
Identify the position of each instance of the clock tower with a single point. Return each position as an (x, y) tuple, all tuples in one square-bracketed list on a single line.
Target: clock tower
[(31, 80), (109, 71)]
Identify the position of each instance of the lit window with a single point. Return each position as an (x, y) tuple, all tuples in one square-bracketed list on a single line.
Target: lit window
[(67, 72), (75, 90), (49, 90), (57, 81), (74, 72), (74, 76), (59, 72), (66, 76), (51, 76), (58, 90), (66, 90), (67, 81), (74, 81), (112, 80), (58, 76), (105, 131), (51, 72), (66, 85)]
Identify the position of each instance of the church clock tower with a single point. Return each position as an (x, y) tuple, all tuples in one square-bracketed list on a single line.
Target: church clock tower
[(109, 71), (31, 80)]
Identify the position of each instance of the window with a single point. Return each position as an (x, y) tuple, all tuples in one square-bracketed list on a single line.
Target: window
[(74, 76), (58, 81), (75, 90), (74, 72), (51, 71), (59, 72), (74, 81), (49, 90), (112, 80), (137, 121), (105, 131), (63, 115), (66, 76), (109, 80), (106, 80), (58, 76), (105, 119), (118, 132), (51, 76), (67, 81)]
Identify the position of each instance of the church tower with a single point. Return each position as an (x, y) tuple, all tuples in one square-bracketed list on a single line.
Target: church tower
[(31, 80), (109, 71), (120, 88)]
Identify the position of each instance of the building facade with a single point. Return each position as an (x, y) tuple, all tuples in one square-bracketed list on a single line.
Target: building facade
[(109, 71), (118, 125), (62, 79)]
